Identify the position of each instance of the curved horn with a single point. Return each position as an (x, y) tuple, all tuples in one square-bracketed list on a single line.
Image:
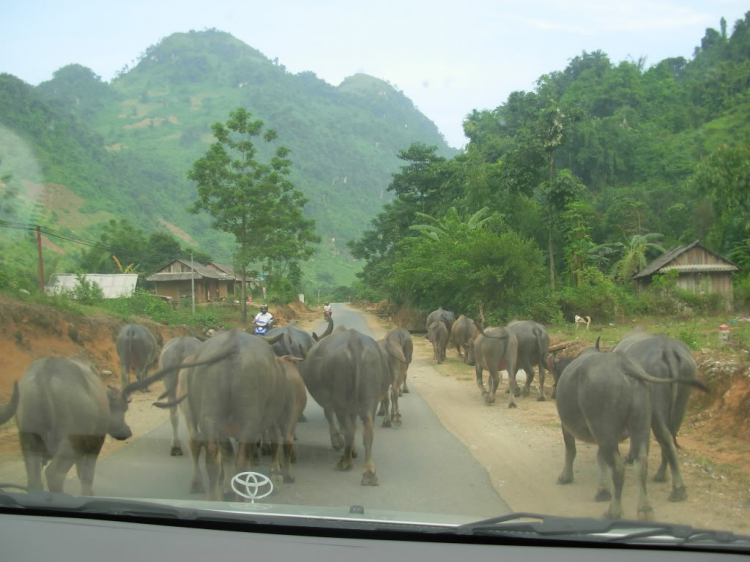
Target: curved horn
[(137, 385), (272, 339), (165, 405), (329, 329), (9, 410)]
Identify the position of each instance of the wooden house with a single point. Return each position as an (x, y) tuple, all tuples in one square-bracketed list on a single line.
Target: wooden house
[(174, 280), (700, 270)]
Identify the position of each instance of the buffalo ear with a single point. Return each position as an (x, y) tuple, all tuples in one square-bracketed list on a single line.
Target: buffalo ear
[(596, 345)]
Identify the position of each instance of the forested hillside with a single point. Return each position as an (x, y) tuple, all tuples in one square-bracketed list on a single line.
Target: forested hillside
[(597, 170), (126, 147)]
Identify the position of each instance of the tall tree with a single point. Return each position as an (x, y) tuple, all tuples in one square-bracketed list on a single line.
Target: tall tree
[(252, 200)]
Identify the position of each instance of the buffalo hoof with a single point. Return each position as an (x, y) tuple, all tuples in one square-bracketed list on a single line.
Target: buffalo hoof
[(397, 421), (660, 476), (337, 441), (369, 478), (387, 423), (541, 399), (406, 390), (517, 393), (678, 494), (196, 488), (630, 459), (302, 418), (288, 479), (344, 464), (526, 392), (553, 395), (512, 405), (176, 451), (615, 514), (603, 495), (277, 479), (563, 479), (646, 514)]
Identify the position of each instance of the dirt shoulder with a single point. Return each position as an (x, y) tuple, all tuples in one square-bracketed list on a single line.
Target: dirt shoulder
[(522, 451)]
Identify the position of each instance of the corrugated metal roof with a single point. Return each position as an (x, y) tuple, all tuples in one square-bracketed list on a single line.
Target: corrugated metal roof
[(659, 263), (179, 276), (225, 267), (113, 285), (702, 267)]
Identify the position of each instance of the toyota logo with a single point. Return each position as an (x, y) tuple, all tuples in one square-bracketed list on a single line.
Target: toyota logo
[(251, 485)]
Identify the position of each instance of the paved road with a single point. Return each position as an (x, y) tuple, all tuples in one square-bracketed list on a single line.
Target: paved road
[(421, 466)]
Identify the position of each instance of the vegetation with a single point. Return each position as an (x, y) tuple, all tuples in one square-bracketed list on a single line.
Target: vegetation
[(253, 201), (579, 176)]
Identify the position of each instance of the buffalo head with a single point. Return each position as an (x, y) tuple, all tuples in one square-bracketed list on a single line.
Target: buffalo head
[(118, 405)]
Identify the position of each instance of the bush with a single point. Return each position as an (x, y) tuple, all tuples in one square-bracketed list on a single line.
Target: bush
[(143, 303), (87, 292), (597, 296)]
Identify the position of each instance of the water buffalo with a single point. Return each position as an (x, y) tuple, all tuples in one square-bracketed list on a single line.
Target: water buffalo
[(9, 410), (136, 347), (462, 332), (240, 397), (445, 316), (533, 343), (348, 374), (437, 333), (670, 359), (64, 413), (398, 347), (494, 350), (603, 398), (174, 353)]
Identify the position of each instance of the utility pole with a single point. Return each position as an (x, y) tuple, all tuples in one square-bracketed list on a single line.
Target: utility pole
[(39, 257), (192, 281)]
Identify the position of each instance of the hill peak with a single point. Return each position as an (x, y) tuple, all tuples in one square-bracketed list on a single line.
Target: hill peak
[(365, 84)]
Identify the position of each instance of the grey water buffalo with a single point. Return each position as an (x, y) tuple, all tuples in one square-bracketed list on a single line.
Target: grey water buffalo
[(398, 347), (533, 343), (665, 358), (64, 413), (9, 410), (445, 316), (494, 350), (348, 374), (137, 349), (462, 332), (175, 351), (603, 398), (437, 333), (240, 397)]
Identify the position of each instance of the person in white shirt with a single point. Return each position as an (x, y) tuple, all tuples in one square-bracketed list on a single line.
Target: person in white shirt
[(264, 318), (327, 309)]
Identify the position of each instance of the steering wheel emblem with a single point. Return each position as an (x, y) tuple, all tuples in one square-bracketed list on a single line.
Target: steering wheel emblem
[(252, 485)]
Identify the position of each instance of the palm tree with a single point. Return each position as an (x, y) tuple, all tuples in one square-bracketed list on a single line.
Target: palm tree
[(632, 254), (450, 224)]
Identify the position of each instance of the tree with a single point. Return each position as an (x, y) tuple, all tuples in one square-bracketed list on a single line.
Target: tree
[(252, 200), (120, 239), (633, 254), (449, 226)]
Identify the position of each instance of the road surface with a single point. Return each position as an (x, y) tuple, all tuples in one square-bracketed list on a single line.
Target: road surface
[(421, 466)]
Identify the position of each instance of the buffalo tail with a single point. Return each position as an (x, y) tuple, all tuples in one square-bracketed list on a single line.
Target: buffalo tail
[(9, 410), (172, 404)]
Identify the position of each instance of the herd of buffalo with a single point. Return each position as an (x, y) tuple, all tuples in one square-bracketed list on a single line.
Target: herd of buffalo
[(239, 393), (643, 384)]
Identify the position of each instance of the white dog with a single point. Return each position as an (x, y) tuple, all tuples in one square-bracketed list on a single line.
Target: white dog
[(583, 320)]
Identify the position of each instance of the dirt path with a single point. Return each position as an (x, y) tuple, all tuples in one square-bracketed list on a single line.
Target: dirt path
[(522, 451)]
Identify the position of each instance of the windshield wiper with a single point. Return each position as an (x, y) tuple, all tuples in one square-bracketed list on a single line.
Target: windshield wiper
[(65, 503), (600, 530)]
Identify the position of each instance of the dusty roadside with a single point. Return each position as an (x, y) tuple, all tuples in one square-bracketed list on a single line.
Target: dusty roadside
[(522, 451)]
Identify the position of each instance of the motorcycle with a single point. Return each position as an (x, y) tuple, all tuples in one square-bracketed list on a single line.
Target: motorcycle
[(261, 328), (327, 315)]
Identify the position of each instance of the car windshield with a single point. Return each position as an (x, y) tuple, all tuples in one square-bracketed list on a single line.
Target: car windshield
[(432, 264)]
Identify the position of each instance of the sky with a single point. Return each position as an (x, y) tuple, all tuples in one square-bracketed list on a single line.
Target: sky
[(448, 57)]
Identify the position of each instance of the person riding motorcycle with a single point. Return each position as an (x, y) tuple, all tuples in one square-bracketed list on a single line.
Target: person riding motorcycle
[(327, 311), (263, 320)]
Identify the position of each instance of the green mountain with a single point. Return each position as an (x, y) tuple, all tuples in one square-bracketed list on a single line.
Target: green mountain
[(125, 147)]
